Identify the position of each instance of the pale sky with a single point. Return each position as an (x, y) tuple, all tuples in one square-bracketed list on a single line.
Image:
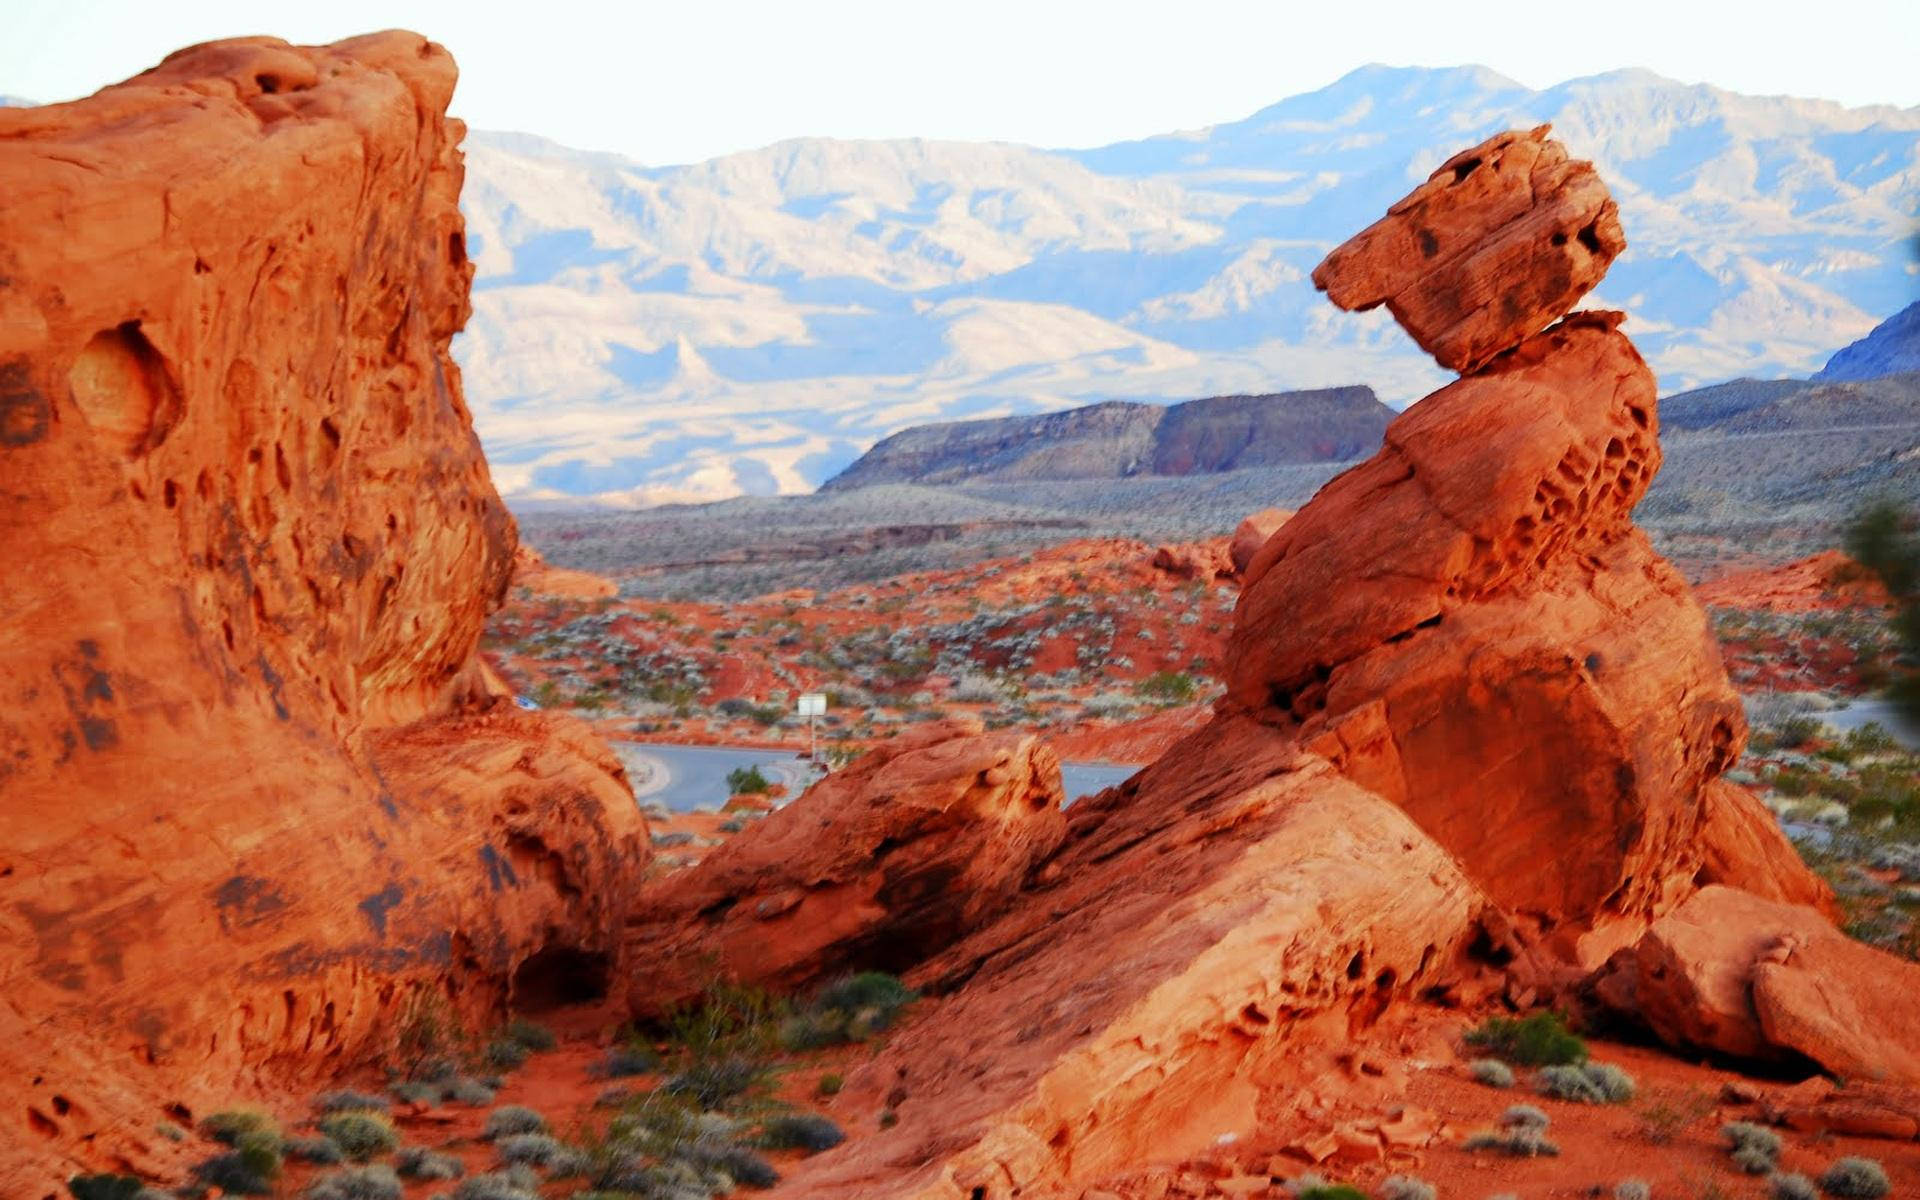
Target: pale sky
[(678, 82)]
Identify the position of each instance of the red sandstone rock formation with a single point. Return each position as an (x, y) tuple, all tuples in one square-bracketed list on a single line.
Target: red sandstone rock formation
[(920, 841), (1206, 561), (251, 793), (1253, 532), (1468, 704), (1751, 977), (1499, 242)]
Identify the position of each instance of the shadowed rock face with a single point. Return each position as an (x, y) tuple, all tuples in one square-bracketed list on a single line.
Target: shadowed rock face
[(251, 792)]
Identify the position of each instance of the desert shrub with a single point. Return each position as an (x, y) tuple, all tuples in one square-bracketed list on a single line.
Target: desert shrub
[(1406, 1187), (1792, 1186), (418, 1162), (1333, 1191), (1790, 733), (745, 781), (830, 1084), (1883, 539), (1168, 687), (228, 1126), (739, 1163), (505, 1054), (1539, 1040), (714, 1083), (623, 1061), (1632, 1189), (849, 1009), (104, 1187), (495, 1186), (1520, 1143), (1492, 1072), (359, 1134), (356, 1183), (427, 1039), (348, 1100), (1524, 1116), (249, 1169), (321, 1151), (1855, 1179), (471, 1092), (1746, 1136), (800, 1131), (531, 1034), (510, 1119), (1587, 1083), (1669, 1113), (728, 1021), (1754, 1161), (533, 1149)]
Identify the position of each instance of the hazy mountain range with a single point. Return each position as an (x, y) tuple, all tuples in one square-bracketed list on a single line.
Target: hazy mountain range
[(751, 324)]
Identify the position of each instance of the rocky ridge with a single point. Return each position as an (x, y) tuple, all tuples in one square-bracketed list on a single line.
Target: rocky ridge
[(258, 791)]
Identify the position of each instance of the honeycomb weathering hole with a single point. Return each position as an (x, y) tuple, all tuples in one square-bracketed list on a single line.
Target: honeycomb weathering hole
[(122, 387)]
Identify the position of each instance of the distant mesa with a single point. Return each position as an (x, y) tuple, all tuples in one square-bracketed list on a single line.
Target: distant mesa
[(1121, 439)]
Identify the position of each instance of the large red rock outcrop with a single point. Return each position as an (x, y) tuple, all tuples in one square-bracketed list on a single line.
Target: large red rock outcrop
[(1252, 533), (252, 794), (918, 842), (1736, 973), (1468, 706)]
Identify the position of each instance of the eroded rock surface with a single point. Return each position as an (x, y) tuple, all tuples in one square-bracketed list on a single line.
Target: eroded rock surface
[(1253, 532), (918, 842), (1751, 977), (1500, 241), (1469, 708), (252, 791)]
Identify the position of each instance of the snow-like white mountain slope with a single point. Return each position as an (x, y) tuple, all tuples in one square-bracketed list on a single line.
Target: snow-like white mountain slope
[(752, 323)]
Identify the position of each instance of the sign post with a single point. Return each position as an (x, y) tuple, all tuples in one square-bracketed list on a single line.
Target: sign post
[(812, 706)]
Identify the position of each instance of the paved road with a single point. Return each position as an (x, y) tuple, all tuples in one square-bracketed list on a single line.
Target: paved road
[(1879, 712), (686, 778)]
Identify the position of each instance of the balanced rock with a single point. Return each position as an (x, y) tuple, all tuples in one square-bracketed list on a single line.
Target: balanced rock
[(919, 841), (254, 791), (1499, 242)]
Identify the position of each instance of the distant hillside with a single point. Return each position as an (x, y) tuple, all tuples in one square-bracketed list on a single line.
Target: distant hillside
[(1750, 406), (1121, 439), (1894, 345)]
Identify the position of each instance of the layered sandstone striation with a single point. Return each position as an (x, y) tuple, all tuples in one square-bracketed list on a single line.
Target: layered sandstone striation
[(253, 790), (1473, 729)]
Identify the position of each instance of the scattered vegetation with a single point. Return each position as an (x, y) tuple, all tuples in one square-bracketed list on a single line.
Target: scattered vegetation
[(1587, 1083), (360, 1134), (1406, 1187), (418, 1162), (1885, 539), (321, 1151), (511, 1119), (1855, 1179), (1539, 1040), (748, 781), (104, 1187), (1755, 1149), (1169, 687), (800, 1131), (1492, 1072), (348, 1100), (1669, 1113), (1632, 1189), (1521, 1132), (498, 1186), (377, 1182), (1792, 1186), (850, 1009)]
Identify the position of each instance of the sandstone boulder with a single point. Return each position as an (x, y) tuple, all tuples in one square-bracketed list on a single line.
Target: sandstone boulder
[(1500, 241), (1253, 532), (254, 793), (916, 843), (1205, 561), (1732, 972)]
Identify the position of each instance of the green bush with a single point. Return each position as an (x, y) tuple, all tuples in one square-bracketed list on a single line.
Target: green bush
[(230, 1125), (1855, 1179), (360, 1135), (1333, 1191), (249, 1169), (850, 1009), (830, 1084), (745, 781), (1539, 1040), (1168, 687), (504, 1054), (321, 1151), (104, 1187)]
